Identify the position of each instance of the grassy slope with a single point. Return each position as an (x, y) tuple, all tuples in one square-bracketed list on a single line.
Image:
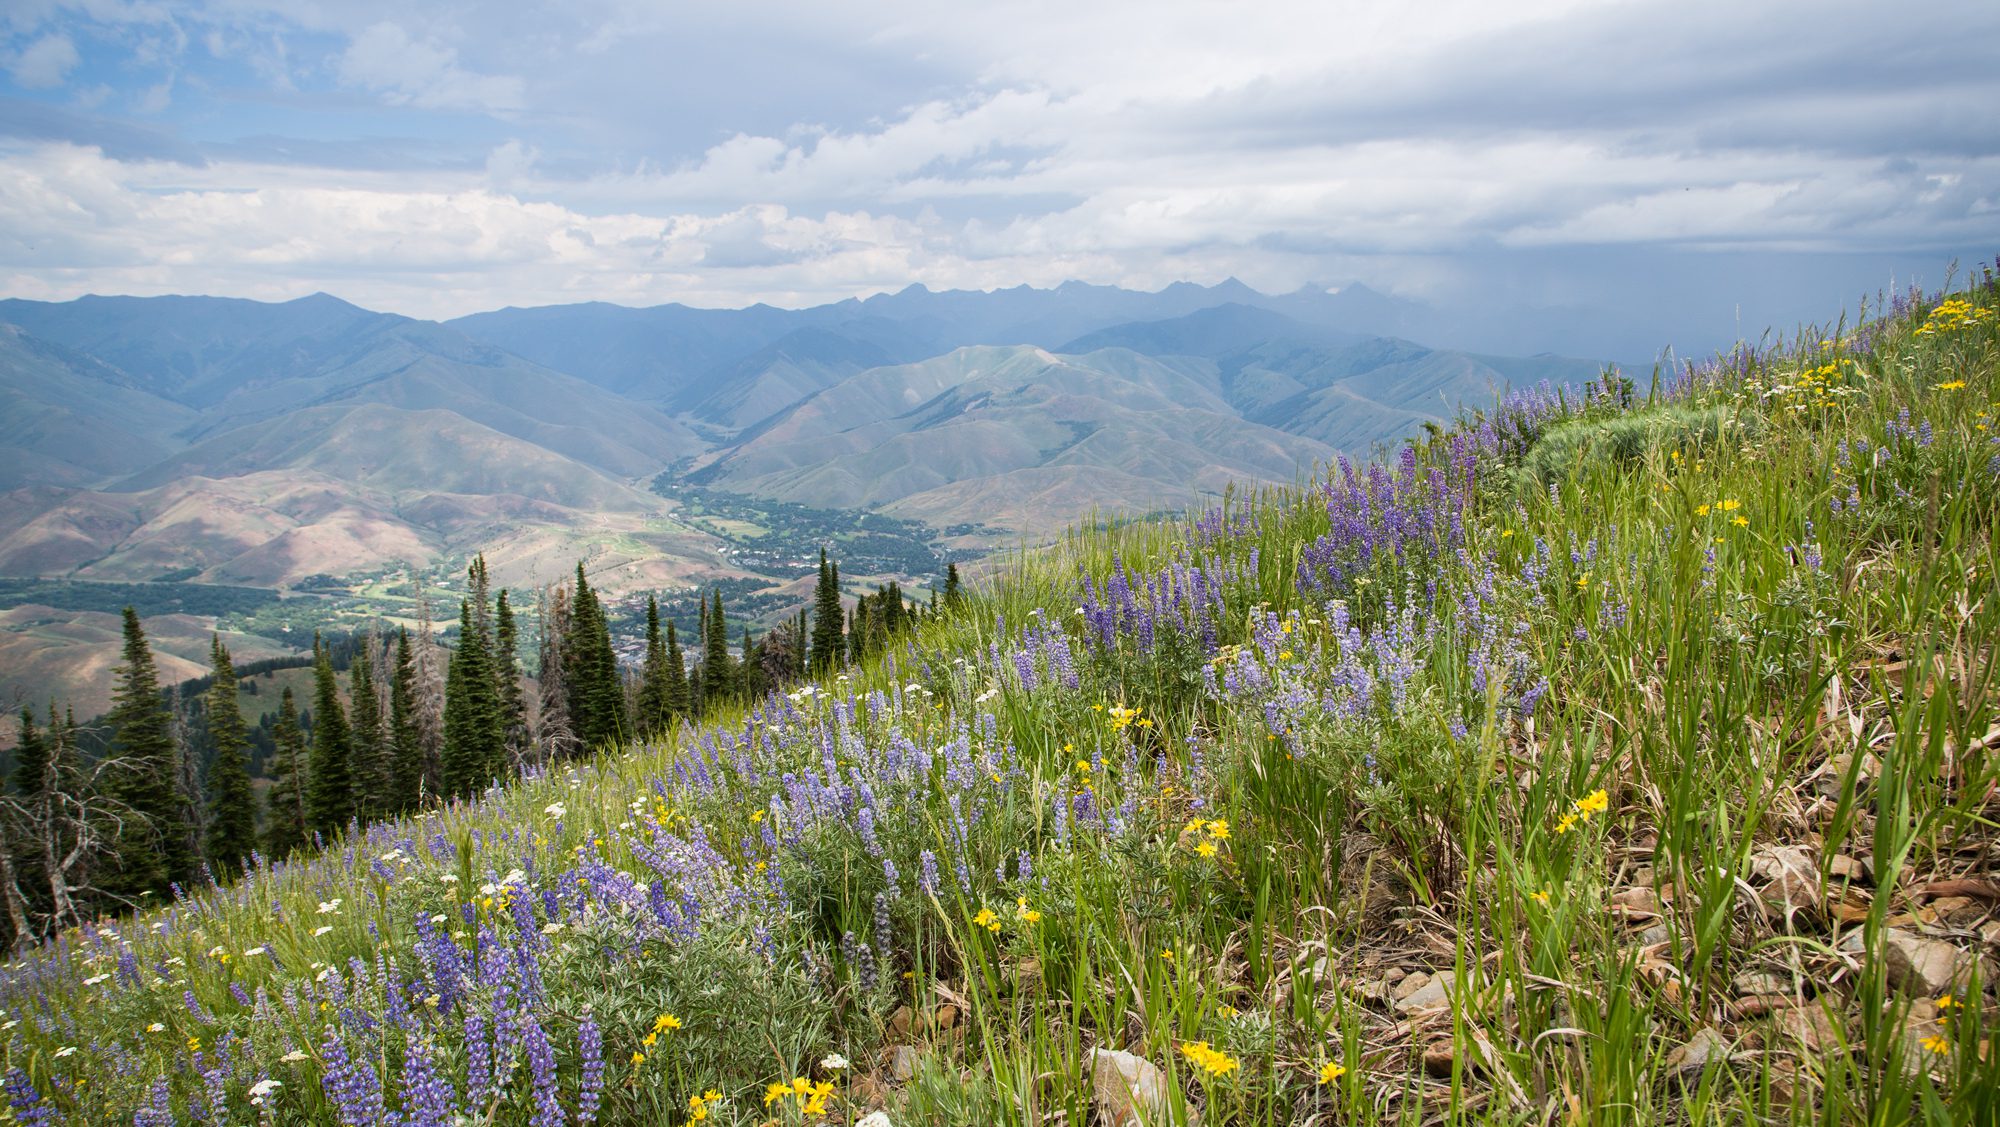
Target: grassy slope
[(1703, 691)]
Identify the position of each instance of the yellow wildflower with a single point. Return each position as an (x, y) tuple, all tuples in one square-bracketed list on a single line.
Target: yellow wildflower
[(1024, 913), (1937, 1044), (1541, 897), (665, 1022), (1212, 1061), (1596, 802), (697, 1111), (638, 1058), (1219, 829), (1329, 1072), (1566, 823), (1741, 522), (987, 920), (1206, 849)]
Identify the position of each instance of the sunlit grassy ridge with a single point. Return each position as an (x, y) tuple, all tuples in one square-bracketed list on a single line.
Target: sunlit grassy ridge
[(1646, 722)]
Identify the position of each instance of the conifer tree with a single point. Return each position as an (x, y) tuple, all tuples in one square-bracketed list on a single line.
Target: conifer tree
[(826, 633), (286, 817), (954, 592), (30, 781), (715, 671), (653, 713), (596, 699), (154, 843), (507, 678), (31, 758), (679, 700), (232, 805), (406, 768), (474, 742), (330, 789), (555, 733), (369, 748)]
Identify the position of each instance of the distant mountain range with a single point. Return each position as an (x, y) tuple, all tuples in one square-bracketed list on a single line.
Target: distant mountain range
[(228, 441)]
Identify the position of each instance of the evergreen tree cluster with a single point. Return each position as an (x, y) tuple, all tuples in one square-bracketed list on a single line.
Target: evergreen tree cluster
[(170, 802)]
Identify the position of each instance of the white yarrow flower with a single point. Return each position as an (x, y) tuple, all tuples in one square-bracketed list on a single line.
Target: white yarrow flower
[(834, 1062)]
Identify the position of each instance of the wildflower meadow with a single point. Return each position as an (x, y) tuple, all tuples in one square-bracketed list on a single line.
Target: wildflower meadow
[(1624, 754)]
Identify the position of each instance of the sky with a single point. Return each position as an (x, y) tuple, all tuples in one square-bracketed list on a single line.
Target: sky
[(1684, 170)]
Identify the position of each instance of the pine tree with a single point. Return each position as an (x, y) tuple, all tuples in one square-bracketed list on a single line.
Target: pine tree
[(954, 592), (232, 805), (715, 671), (474, 741), (30, 781), (679, 700), (285, 817), (31, 758), (507, 678), (596, 699), (330, 790), (369, 748), (154, 844), (826, 634), (555, 734), (406, 768), (654, 714)]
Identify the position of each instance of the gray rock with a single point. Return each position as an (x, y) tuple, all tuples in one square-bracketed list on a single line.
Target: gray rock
[(1434, 993), (1706, 1047), (902, 1063), (1129, 1090), (1921, 965)]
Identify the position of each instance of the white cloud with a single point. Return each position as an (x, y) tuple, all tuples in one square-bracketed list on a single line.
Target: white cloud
[(421, 73), (44, 63)]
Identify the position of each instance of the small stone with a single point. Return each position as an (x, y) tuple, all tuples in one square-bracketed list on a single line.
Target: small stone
[(1435, 993), (1842, 867), (1920, 965), (902, 1063), (1752, 982), (1127, 1087), (1704, 1048), (1408, 985), (1394, 975), (899, 1022), (1636, 904), (1437, 1059), (1657, 934), (1794, 887), (1811, 1027), (1757, 1005), (947, 1016), (874, 1119)]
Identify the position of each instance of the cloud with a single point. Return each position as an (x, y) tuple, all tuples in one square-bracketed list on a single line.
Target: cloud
[(383, 58), (44, 63)]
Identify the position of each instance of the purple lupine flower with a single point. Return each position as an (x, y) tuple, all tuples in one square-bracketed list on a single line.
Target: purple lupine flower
[(352, 1085), (26, 1103), (542, 1065), (159, 1109), (590, 1049), (428, 1098)]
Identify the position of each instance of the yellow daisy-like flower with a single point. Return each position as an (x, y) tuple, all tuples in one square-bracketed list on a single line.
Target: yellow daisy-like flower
[(1329, 1072), (1219, 829), (1596, 802), (666, 1022), (1167, 954), (1740, 522), (1937, 1044), (1541, 897), (1024, 913), (987, 920), (697, 1110), (1210, 1060), (1566, 823), (1731, 505), (775, 1091), (638, 1058), (1225, 1010), (1206, 849)]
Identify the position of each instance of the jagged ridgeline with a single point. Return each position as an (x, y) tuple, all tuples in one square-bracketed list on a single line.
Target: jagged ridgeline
[(1616, 757)]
